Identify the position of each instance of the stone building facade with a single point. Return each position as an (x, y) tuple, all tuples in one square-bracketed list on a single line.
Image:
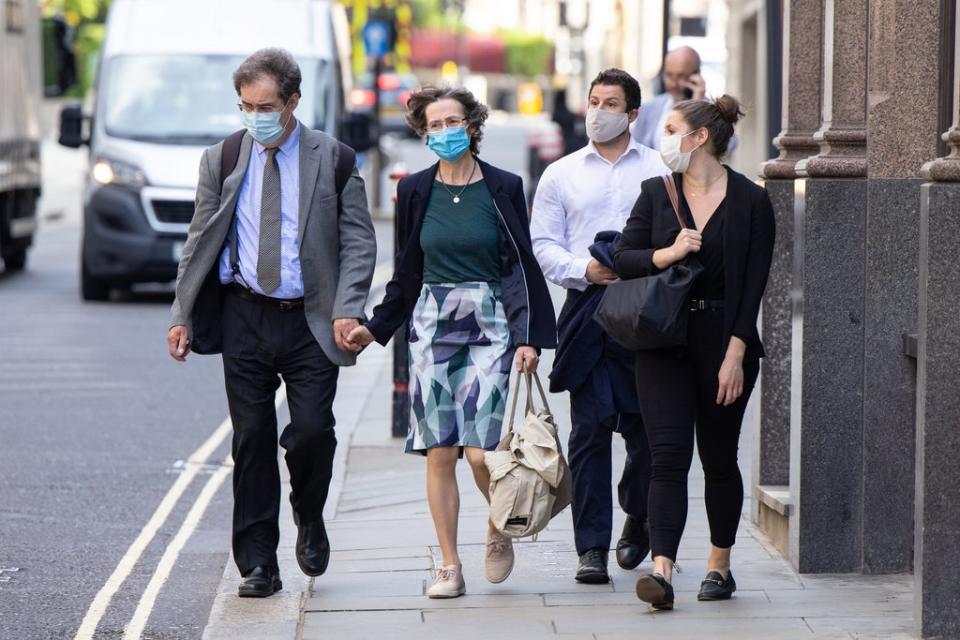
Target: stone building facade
[(860, 402)]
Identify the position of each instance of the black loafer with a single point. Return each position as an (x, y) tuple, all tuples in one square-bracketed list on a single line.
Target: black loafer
[(260, 582), (313, 546), (634, 543), (592, 567), (656, 591), (716, 587)]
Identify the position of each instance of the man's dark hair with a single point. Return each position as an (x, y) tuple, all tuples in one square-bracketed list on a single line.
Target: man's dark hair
[(631, 88), (272, 63)]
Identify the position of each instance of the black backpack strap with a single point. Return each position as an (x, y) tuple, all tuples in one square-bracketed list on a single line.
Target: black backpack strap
[(346, 160), (229, 157)]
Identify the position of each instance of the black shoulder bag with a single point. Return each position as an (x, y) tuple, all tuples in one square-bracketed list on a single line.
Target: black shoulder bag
[(651, 312)]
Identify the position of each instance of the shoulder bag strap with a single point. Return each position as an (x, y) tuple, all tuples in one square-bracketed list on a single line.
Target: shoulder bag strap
[(346, 159), (674, 198), (229, 157)]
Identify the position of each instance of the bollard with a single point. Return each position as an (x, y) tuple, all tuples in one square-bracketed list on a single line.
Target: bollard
[(400, 420)]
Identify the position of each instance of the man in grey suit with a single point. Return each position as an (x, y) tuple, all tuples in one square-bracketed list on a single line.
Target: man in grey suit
[(274, 274)]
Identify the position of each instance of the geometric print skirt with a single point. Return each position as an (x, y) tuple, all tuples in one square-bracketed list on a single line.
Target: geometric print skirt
[(460, 358)]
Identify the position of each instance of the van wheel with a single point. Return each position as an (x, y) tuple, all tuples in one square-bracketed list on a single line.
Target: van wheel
[(91, 288), (15, 259)]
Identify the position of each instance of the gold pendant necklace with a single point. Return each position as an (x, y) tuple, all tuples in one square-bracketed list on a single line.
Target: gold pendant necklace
[(456, 196)]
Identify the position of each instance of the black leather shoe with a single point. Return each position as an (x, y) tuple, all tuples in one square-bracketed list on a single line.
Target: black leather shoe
[(716, 587), (655, 590), (592, 567), (260, 582), (313, 547), (634, 543)]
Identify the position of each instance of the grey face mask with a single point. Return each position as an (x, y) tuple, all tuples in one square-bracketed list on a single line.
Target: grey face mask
[(604, 126)]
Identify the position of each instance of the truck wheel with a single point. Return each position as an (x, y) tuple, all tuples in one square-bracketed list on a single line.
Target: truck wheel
[(91, 288), (15, 259)]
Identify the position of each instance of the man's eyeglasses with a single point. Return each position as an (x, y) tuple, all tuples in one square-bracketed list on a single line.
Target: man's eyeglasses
[(449, 123)]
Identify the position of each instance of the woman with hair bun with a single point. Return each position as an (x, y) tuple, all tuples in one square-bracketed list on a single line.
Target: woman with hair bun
[(700, 390)]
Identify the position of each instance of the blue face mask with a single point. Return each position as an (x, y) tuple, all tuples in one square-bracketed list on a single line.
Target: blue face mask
[(264, 127), (449, 144)]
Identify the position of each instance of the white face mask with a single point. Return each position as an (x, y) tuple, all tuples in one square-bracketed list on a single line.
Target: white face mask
[(675, 159), (604, 126)]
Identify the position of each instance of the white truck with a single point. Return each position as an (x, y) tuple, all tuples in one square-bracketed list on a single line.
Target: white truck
[(21, 88), (164, 91)]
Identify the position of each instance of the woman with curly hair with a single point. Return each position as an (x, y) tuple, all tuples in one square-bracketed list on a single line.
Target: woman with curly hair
[(469, 289)]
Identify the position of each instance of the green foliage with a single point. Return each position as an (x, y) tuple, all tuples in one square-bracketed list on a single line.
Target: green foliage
[(435, 14), (87, 47), (84, 10), (527, 55)]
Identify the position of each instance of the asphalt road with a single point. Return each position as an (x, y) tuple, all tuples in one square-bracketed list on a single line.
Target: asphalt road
[(96, 421)]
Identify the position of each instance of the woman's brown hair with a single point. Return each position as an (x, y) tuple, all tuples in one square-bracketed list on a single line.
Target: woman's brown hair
[(716, 116), (476, 112)]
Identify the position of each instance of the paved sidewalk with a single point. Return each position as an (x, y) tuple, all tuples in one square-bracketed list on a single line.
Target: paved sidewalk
[(385, 547)]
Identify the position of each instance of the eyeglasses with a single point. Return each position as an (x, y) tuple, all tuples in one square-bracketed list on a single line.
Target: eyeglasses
[(450, 123), (255, 109)]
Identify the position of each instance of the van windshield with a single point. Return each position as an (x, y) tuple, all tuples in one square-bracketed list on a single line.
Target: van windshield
[(189, 99)]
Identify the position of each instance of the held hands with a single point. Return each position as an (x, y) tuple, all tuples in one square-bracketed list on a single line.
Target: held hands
[(599, 274), (731, 373), (527, 359), (178, 342), (341, 330), (357, 338)]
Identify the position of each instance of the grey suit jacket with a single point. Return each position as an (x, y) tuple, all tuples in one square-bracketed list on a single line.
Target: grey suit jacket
[(647, 129), (338, 247)]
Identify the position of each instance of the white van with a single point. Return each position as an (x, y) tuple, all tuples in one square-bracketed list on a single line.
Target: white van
[(21, 82), (164, 91)]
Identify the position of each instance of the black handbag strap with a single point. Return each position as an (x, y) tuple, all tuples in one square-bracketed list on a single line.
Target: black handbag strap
[(674, 198)]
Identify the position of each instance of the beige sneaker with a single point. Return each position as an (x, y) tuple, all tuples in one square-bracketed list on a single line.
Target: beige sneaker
[(448, 584), (499, 561)]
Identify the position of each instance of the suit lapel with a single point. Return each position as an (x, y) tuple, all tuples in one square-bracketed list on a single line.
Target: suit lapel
[(309, 171)]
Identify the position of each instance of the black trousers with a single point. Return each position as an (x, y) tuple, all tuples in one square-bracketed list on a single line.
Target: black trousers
[(678, 392), (261, 344), (590, 457)]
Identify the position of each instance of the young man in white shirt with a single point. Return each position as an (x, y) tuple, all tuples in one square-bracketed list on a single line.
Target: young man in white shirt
[(586, 192)]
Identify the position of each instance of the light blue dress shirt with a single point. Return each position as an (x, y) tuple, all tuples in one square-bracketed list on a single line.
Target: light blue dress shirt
[(248, 220)]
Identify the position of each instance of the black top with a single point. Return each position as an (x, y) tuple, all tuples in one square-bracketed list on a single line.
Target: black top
[(460, 240), (710, 284), (748, 237)]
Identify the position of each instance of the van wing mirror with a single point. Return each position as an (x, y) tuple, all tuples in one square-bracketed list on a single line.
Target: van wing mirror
[(71, 126), (355, 131)]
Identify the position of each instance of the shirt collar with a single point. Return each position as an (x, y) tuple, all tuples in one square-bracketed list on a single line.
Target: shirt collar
[(632, 147), (289, 145)]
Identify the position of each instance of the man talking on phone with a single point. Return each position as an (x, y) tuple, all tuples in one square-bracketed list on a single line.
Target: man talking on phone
[(681, 81)]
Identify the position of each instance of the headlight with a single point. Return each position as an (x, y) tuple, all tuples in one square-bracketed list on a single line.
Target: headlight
[(106, 171)]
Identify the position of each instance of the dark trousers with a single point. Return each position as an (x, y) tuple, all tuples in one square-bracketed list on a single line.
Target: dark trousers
[(678, 393), (589, 453), (261, 344)]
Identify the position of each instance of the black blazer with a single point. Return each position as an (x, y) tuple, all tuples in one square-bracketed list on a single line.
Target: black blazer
[(748, 237), (526, 299)]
